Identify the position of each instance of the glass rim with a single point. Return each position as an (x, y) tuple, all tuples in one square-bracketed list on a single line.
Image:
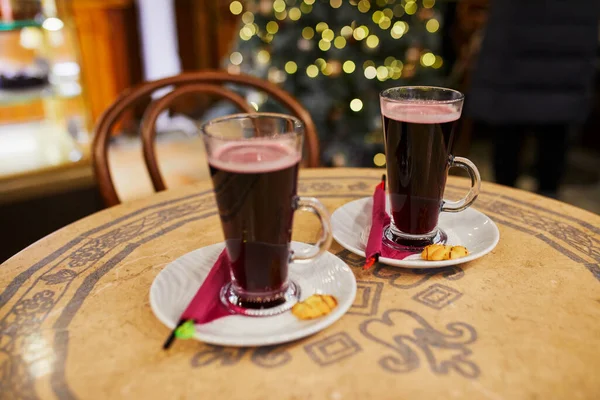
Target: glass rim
[(296, 121), (384, 95)]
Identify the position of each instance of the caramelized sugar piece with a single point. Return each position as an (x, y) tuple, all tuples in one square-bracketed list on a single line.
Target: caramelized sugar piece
[(314, 306)]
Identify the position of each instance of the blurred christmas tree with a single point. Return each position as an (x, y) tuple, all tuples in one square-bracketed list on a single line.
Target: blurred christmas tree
[(335, 56)]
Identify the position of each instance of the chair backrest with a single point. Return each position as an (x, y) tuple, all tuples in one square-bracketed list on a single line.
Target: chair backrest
[(193, 82)]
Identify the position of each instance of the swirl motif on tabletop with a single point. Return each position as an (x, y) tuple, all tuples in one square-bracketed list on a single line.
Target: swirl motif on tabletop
[(390, 331), (217, 355), (402, 280), (271, 356)]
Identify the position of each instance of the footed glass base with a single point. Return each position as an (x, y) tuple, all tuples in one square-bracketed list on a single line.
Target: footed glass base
[(265, 306), (397, 240)]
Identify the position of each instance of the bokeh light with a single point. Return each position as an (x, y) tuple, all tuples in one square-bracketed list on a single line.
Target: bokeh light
[(379, 159), (236, 58), (308, 33), (248, 17), (236, 7), (370, 72), (410, 7), (432, 25), (339, 42), (328, 35), (272, 27), (372, 41), (279, 5), (356, 105), (312, 71), (321, 26), (324, 45), (382, 73), (349, 66), (346, 31), (427, 59), (263, 57), (398, 10), (295, 14), (291, 67)]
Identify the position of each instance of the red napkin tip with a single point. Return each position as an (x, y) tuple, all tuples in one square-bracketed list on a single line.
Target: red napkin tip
[(369, 263)]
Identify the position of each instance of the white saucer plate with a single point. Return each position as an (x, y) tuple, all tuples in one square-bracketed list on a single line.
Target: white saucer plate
[(175, 286), (470, 228)]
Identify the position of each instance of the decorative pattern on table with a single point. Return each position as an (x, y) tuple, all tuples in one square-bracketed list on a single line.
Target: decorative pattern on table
[(83, 261), (264, 357), (391, 331)]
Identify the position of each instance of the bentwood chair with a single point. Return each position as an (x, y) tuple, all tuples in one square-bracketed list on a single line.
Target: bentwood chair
[(206, 82)]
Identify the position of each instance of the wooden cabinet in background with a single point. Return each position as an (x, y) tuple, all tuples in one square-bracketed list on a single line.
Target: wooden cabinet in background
[(109, 48)]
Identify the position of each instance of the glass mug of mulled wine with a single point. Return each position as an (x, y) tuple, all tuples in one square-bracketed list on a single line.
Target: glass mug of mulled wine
[(254, 161), (419, 123)]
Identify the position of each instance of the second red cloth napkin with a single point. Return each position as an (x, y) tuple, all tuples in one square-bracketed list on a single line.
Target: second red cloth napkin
[(379, 220)]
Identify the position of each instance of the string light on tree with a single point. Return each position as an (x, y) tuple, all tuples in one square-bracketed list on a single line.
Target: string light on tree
[(272, 27), (339, 42), (308, 33), (279, 5), (356, 105), (291, 67), (432, 25), (349, 66), (321, 26), (295, 14), (382, 73), (346, 31), (370, 72), (328, 35), (312, 71), (364, 6), (410, 7), (372, 41), (248, 17), (427, 59), (398, 10), (263, 57), (236, 58), (335, 3), (236, 7), (324, 45), (305, 8)]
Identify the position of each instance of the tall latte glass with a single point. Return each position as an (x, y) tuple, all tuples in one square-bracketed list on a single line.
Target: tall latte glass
[(254, 161), (419, 123)]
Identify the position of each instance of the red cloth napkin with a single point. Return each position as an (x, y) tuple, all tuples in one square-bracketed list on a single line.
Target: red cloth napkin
[(379, 220), (206, 305)]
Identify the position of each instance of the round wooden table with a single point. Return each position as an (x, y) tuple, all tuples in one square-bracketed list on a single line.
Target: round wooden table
[(521, 323)]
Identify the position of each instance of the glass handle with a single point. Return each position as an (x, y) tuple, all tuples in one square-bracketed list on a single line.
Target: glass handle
[(466, 164), (314, 206)]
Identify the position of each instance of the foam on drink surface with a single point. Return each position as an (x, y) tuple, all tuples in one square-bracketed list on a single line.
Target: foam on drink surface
[(254, 156), (421, 113)]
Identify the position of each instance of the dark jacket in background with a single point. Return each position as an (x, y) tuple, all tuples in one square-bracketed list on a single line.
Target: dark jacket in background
[(536, 63)]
